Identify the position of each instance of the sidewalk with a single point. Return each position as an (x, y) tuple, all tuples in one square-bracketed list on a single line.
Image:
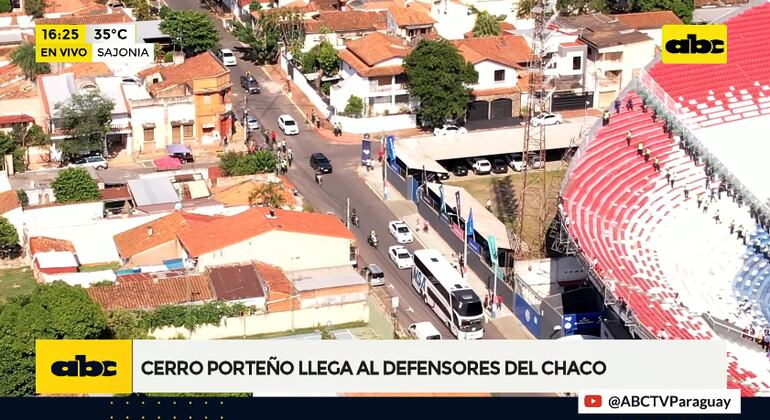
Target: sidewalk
[(406, 210)]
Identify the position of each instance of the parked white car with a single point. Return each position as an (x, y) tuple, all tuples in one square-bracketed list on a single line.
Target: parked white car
[(287, 124), (547, 118), (400, 256), (252, 123), (534, 162), (96, 162), (449, 129), (480, 166), (516, 162), (424, 331), (227, 57), (400, 231)]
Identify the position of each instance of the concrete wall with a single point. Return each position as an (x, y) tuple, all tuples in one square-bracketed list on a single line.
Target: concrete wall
[(272, 322), (156, 255), (70, 214), (161, 114), (376, 124), (334, 296), (80, 279), (310, 93), (277, 248)]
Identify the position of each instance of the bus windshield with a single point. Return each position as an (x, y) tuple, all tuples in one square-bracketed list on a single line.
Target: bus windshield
[(466, 303)]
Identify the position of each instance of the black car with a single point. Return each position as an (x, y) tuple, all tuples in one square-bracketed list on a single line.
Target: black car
[(183, 157), (250, 84), (460, 170), (320, 163), (499, 166)]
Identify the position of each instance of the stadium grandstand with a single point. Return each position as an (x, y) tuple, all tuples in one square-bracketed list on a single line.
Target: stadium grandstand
[(672, 261)]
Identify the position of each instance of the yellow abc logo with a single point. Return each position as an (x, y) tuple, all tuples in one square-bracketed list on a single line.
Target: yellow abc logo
[(83, 367), (694, 44)]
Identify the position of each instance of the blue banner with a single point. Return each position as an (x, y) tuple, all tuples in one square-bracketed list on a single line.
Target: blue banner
[(391, 144), (579, 323), (527, 315), (366, 151), (473, 245), (442, 209), (492, 243), (469, 225)]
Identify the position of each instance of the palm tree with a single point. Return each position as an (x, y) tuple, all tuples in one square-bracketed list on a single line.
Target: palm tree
[(487, 24), (24, 58), (268, 194)]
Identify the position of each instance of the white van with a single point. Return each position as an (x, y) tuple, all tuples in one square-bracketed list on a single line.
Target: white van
[(424, 331)]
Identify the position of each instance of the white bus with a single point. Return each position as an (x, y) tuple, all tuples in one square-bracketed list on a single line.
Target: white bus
[(448, 294)]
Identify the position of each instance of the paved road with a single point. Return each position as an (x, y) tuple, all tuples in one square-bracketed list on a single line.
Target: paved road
[(337, 187)]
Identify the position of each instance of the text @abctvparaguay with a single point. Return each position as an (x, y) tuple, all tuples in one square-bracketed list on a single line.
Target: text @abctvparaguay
[(276, 367)]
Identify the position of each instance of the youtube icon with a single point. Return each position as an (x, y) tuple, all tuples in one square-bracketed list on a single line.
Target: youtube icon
[(592, 401)]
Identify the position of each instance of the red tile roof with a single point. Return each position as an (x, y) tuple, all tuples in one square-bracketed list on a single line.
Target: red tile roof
[(165, 229), (13, 85), (649, 20), (495, 91), (70, 6), (273, 277), (231, 230), (9, 200), (509, 50), (152, 292), (414, 14), (88, 70), (115, 194), (201, 66), (15, 119), (347, 21), (45, 244), (235, 282), (115, 17), (365, 53)]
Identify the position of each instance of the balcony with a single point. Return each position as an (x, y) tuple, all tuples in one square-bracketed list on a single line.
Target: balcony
[(388, 88)]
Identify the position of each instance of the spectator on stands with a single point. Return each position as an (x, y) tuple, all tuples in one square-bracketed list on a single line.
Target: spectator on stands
[(741, 235), (617, 106), (713, 195), (673, 179), (716, 217), (644, 105), (739, 199), (606, 117), (665, 126), (681, 143), (647, 155), (686, 193), (708, 183), (640, 149), (668, 175), (656, 165), (700, 200), (628, 138), (757, 245), (720, 190), (654, 115), (629, 105), (732, 227), (766, 341)]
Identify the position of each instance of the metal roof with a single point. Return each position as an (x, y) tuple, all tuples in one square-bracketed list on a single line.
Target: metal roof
[(56, 259), (325, 278), (149, 191), (415, 159)]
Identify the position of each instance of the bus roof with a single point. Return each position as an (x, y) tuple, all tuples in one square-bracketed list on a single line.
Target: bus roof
[(442, 269)]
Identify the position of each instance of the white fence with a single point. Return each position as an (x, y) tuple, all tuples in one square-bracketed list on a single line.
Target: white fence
[(385, 123), (272, 322), (85, 279)]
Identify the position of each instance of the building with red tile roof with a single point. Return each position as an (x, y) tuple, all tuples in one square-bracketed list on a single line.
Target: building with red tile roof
[(88, 70), (649, 20), (340, 26), (207, 80), (68, 7), (150, 290), (117, 16), (155, 241), (288, 239), (238, 283)]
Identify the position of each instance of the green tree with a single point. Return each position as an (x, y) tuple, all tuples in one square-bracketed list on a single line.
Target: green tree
[(354, 107), (23, 197), (86, 119), (268, 194), (487, 24), (239, 163), (255, 5), (53, 311), (524, 8), (8, 146), (141, 9), (126, 325), (190, 30), (580, 7), (25, 137), (5, 6), (682, 8), (272, 29), (36, 8), (327, 58), (164, 11), (74, 185), (8, 233), (437, 75), (24, 58)]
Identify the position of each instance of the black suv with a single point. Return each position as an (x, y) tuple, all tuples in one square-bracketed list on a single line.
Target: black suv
[(184, 157), (250, 84), (320, 163), (460, 170), (499, 166)]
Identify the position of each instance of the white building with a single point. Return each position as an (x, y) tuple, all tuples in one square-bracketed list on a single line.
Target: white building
[(372, 69)]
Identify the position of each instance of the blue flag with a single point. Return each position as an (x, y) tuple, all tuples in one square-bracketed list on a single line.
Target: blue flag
[(443, 202), (391, 142), (469, 225)]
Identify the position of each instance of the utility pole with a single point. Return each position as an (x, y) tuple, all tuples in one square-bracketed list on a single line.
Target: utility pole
[(347, 214), (535, 189)]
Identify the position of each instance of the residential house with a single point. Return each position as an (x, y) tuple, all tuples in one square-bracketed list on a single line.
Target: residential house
[(10, 207), (281, 295), (150, 290), (238, 283), (57, 89), (290, 240), (338, 26), (498, 61), (58, 8), (205, 79), (650, 23), (21, 103), (412, 18), (614, 52), (155, 241), (52, 256), (372, 69), (15, 28), (241, 194)]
